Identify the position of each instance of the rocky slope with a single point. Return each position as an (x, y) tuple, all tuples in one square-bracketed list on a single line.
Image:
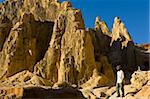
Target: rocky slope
[(45, 43), (138, 89)]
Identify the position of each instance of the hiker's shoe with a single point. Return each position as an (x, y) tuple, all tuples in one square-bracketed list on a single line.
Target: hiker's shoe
[(122, 96), (118, 95)]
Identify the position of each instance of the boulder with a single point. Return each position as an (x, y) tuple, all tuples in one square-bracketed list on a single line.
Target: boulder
[(140, 78)]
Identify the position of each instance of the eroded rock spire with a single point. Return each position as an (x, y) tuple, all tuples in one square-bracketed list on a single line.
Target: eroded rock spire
[(101, 25), (119, 32)]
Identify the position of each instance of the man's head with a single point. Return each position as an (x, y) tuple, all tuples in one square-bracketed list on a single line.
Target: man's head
[(118, 67)]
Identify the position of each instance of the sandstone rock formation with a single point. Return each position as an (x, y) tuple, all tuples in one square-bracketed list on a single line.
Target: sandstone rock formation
[(45, 43), (138, 89), (120, 32), (139, 86), (140, 78), (25, 45)]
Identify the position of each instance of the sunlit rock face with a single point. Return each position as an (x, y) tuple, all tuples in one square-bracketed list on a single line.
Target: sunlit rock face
[(45, 42), (120, 32), (49, 39)]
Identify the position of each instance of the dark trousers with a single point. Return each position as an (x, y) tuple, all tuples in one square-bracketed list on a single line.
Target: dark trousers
[(120, 87)]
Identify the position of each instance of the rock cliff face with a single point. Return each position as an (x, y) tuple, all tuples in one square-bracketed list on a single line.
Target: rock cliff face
[(25, 45), (45, 42)]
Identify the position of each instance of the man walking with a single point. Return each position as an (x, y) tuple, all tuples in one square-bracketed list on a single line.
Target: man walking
[(119, 84)]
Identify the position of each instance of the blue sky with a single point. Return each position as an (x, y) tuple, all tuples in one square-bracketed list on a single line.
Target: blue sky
[(1, 0), (134, 14)]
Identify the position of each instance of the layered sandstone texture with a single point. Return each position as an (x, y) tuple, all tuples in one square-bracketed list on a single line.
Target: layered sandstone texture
[(45, 43)]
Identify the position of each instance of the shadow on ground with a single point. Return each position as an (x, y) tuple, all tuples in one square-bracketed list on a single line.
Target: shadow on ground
[(41, 93)]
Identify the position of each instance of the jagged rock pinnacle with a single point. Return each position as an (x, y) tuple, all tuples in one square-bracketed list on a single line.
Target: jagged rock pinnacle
[(101, 25), (120, 32)]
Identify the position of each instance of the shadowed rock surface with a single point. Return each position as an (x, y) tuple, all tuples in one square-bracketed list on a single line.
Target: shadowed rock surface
[(34, 92), (52, 93)]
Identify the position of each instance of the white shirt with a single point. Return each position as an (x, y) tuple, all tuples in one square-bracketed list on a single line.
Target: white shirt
[(120, 76)]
